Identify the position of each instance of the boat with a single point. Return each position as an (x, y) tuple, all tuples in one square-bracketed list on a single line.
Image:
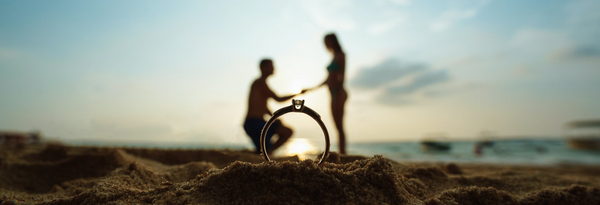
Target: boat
[(435, 146), (583, 135)]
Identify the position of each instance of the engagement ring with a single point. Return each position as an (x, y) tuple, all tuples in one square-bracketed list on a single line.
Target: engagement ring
[(297, 106)]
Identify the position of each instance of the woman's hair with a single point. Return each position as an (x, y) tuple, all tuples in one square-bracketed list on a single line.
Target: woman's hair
[(335, 44)]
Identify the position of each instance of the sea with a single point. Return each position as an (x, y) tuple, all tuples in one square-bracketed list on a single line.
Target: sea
[(514, 151), (531, 151)]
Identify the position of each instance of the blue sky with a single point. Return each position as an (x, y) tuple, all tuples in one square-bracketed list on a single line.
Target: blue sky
[(180, 71)]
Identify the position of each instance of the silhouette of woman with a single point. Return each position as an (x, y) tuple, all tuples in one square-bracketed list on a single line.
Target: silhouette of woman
[(335, 82)]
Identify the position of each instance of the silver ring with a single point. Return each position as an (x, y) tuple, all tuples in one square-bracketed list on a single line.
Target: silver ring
[(297, 106)]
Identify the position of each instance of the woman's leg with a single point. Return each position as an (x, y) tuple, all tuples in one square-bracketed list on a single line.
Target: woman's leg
[(338, 102)]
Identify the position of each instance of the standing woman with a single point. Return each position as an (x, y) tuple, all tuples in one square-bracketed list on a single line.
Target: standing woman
[(335, 82)]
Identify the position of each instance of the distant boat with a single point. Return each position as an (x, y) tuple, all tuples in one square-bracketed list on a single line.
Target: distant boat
[(435, 146), (583, 135)]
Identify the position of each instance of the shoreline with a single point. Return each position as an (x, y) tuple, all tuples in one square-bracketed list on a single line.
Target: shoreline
[(59, 174)]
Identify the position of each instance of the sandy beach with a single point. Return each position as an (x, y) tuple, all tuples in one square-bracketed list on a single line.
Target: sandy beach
[(58, 174)]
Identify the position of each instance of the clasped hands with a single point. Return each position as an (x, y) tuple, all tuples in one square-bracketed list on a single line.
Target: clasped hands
[(308, 89)]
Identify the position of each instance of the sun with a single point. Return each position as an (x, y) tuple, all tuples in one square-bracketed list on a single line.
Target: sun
[(295, 87), (299, 146)]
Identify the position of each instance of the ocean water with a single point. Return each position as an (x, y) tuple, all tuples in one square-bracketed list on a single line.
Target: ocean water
[(521, 151), (515, 151)]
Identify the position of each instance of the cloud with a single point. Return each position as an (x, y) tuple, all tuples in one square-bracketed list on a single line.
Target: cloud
[(585, 51), (581, 52), (330, 14), (386, 72), (401, 2), (341, 15), (387, 18), (420, 81), (399, 83), (451, 17), (382, 27)]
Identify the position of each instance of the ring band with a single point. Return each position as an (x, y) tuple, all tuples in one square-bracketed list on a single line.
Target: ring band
[(297, 106)]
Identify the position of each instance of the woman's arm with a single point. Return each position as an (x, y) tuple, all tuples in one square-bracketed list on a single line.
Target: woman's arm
[(318, 86)]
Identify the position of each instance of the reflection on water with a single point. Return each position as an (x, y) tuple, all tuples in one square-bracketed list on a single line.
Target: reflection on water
[(302, 147)]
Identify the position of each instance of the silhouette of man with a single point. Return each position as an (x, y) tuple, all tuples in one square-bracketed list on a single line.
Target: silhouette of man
[(257, 108)]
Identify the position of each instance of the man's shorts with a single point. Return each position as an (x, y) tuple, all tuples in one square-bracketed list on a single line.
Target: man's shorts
[(254, 126)]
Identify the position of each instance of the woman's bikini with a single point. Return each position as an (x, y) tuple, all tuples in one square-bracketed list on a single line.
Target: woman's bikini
[(332, 68)]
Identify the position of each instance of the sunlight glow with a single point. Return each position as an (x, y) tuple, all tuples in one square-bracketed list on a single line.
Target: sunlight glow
[(296, 86), (299, 146)]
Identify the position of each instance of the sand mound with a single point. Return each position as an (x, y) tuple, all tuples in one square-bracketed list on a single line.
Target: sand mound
[(305, 183), (33, 175), (90, 175), (220, 158)]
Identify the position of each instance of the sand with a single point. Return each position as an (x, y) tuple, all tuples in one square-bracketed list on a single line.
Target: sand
[(57, 174)]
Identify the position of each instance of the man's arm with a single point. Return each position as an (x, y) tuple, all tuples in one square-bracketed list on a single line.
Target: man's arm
[(275, 97), (269, 112)]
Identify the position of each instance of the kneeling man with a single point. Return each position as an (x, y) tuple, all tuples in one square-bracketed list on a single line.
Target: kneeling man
[(257, 108)]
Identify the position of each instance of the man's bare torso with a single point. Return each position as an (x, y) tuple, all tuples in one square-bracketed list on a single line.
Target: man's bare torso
[(257, 101)]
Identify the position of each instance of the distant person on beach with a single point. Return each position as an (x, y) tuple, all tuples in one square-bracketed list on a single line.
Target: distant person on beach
[(18, 140), (257, 109), (335, 82), (478, 149)]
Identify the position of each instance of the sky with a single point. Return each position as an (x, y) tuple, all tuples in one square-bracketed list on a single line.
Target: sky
[(180, 71)]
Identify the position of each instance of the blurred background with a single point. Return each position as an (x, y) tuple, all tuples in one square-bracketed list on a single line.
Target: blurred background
[(177, 74)]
